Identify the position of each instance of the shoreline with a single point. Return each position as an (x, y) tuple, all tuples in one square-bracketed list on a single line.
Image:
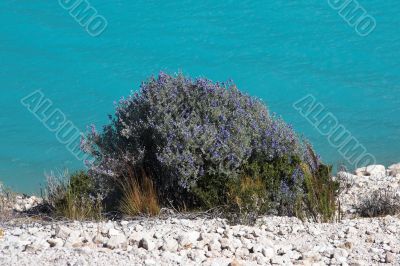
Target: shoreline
[(174, 239)]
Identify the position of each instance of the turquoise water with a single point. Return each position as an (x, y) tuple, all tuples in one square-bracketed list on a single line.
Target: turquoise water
[(276, 50)]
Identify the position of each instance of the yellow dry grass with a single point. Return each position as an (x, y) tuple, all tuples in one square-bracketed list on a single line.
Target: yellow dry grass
[(139, 196)]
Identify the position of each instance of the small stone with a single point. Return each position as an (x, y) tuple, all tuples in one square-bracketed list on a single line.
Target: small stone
[(170, 244), (75, 234), (277, 260), (138, 228), (225, 243), (348, 245), (114, 232), (124, 223), (340, 253), (312, 256), (55, 242), (37, 245), (268, 252), (214, 245), (146, 244), (242, 252), (172, 257), (257, 249), (63, 232), (197, 255), (394, 169), (16, 232), (392, 229), (150, 262), (117, 241), (234, 263), (188, 238), (220, 230), (73, 241), (106, 227), (390, 257), (372, 170), (281, 250), (135, 237), (158, 235), (17, 208), (33, 230), (99, 239), (351, 230)]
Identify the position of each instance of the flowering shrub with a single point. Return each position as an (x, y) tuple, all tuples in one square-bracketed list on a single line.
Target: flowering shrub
[(195, 137)]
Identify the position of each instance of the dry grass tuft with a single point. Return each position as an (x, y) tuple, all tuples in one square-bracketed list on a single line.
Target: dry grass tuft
[(71, 198), (7, 200), (320, 199), (379, 203), (247, 199), (139, 195), (80, 208)]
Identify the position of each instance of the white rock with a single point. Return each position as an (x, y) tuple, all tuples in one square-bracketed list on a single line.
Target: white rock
[(340, 253), (390, 257), (284, 249), (40, 244), (63, 232), (147, 244), (312, 256), (135, 237), (75, 234), (236, 243), (169, 244), (372, 170), (17, 207), (55, 242), (106, 227), (114, 232), (172, 258), (33, 230), (197, 255), (218, 261), (257, 248), (117, 241), (226, 244), (73, 241), (124, 223), (268, 252), (138, 228), (150, 262), (394, 169), (214, 245), (99, 239), (280, 260), (158, 235), (220, 230), (17, 232), (188, 238), (346, 176)]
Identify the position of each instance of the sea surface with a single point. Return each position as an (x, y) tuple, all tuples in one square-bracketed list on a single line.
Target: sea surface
[(279, 51)]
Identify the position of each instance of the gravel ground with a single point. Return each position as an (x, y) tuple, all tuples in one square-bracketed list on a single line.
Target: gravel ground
[(201, 241)]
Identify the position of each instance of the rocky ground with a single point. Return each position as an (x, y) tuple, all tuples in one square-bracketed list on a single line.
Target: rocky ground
[(179, 241)]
